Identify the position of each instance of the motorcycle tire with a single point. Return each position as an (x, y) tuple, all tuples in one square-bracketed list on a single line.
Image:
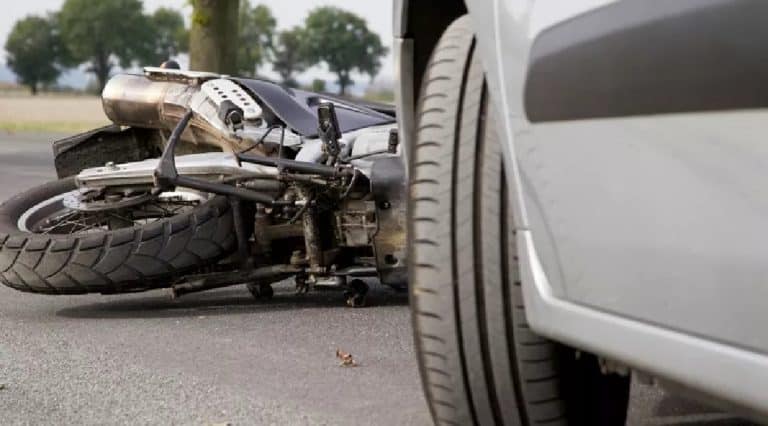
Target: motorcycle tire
[(125, 260)]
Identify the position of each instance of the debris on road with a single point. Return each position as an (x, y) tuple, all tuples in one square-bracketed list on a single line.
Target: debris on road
[(346, 359)]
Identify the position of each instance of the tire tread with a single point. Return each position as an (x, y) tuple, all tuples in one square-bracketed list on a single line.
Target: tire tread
[(475, 349), (121, 261)]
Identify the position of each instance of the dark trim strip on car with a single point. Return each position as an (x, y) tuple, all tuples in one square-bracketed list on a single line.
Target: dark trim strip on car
[(640, 58)]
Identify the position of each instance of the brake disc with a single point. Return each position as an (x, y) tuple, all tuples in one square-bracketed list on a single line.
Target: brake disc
[(85, 200)]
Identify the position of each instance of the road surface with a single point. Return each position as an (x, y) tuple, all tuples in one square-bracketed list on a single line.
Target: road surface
[(218, 357)]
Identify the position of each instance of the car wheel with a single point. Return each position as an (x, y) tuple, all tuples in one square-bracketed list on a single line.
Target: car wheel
[(480, 362)]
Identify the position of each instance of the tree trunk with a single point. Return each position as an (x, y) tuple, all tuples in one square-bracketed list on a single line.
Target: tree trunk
[(287, 78), (101, 69), (33, 88), (102, 75), (344, 82), (213, 37)]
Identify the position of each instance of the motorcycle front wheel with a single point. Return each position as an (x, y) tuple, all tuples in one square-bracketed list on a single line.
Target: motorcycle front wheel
[(49, 247)]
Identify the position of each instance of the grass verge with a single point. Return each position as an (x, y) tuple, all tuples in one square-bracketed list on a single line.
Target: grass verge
[(49, 126)]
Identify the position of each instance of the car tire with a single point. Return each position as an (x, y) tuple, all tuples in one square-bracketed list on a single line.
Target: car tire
[(479, 360)]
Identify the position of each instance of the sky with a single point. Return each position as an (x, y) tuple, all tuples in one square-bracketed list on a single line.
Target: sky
[(378, 13)]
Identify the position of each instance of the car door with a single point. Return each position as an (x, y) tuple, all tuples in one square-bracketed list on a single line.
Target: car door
[(640, 134)]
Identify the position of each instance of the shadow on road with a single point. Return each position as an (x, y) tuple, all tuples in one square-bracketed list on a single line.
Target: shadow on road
[(223, 302)]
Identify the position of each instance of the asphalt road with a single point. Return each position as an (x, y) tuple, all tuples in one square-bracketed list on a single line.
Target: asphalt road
[(218, 357)]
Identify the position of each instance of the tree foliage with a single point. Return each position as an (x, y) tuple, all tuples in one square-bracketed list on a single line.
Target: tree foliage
[(227, 36), (255, 42), (344, 43), (102, 32), (170, 34), (34, 51), (290, 57)]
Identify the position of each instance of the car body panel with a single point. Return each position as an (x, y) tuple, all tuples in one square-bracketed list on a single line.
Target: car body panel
[(640, 226), (661, 219)]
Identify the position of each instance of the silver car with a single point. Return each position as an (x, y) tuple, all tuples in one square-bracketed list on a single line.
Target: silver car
[(587, 199)]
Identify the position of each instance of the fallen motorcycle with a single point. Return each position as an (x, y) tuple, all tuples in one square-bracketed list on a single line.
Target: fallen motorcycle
[(207, 181)]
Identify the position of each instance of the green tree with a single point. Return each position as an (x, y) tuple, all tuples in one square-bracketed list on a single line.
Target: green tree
[(170, 33), (318, 86), (255, 42), (343, 41), (34, 51), (102, 32), (213, 36), (289, 56)]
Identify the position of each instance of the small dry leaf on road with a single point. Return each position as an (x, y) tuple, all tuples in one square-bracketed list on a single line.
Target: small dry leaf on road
[(346, 359)]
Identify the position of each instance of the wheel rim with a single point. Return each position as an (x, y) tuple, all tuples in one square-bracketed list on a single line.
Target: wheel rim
[(65, 214)]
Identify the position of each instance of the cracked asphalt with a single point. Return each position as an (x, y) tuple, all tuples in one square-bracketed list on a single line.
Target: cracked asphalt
[(219, 357)]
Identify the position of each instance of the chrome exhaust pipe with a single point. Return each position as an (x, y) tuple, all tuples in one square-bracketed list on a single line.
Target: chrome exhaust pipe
[(135, 100)]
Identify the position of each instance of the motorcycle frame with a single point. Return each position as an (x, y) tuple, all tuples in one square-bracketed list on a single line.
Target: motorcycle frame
[(166, 177)]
